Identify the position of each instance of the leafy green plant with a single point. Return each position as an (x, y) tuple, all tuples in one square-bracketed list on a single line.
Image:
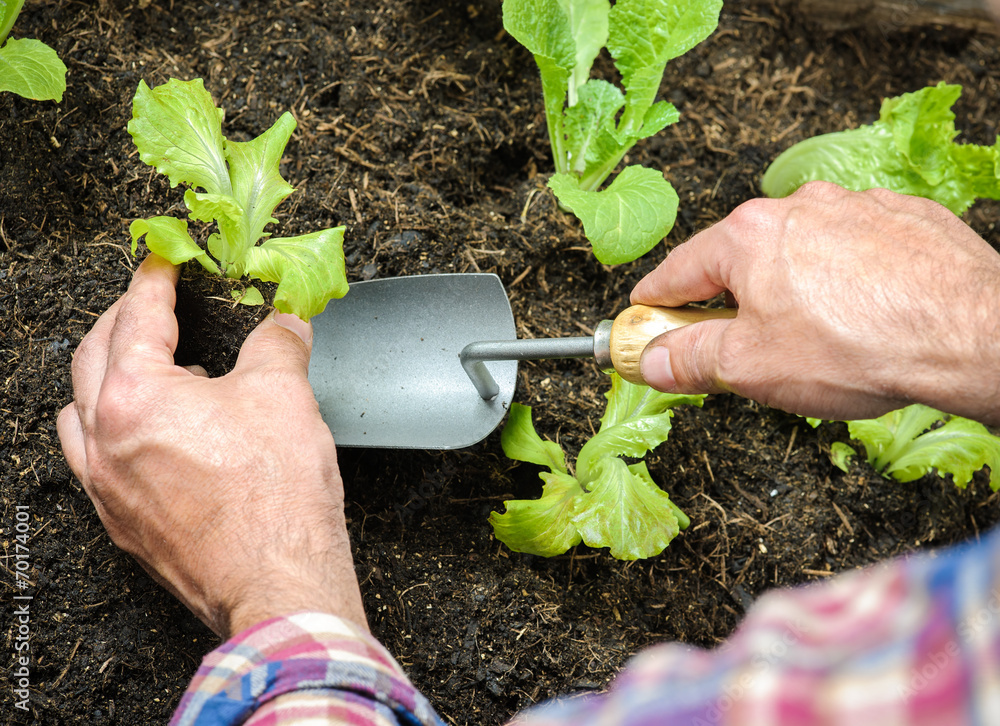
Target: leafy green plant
[(607, 502), (592, 124), (178, 130), (28, 67), (911, 442), (910, 150)]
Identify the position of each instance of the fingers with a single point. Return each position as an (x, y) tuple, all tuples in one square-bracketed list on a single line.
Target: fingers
[(145, 329), (689, 273), (91, 358), (280, 340), (704, 266), (687, 360), (71, 437)]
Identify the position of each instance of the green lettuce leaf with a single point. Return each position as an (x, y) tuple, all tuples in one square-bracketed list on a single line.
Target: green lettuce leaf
[(588, 25), (9, 10), (625, 220), (541, 526), (913, 441), (910, 150), (544, 29), (658, 116), (626, 512), (256, 182), (32, 70), (841, 455), (168, 237), (590, 126), (521, 442), (612, 145), (643, 36), (250, 296), (636, 420), (178, 131), (309, 270), (204, 207)]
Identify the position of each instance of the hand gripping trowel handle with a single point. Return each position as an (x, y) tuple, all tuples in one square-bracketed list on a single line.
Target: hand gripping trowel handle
[(616, 344)]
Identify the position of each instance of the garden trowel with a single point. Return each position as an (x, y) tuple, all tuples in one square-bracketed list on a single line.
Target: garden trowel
[(430, 361)]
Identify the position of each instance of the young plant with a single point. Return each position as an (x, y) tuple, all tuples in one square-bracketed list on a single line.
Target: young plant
[(911, 442), (910, 149), (178, 130), (592, 124), (28, 67), (608, 502)]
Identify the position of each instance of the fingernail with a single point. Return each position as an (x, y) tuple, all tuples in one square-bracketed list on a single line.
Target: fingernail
[(655, 368), (296, 325)]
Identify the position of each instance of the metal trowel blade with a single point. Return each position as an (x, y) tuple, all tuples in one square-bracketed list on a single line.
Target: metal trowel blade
[(385, 366)]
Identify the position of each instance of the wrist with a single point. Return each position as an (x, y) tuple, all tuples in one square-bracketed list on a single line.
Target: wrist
[(318, 581), (959, 370), (253, 611), (276, 596)]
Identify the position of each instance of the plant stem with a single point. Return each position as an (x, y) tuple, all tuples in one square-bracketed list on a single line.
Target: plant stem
[(593, 180), (558, 143), (683, 521), (12, 8)]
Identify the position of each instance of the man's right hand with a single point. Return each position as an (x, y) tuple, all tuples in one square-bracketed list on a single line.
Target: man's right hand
[(850, 305)]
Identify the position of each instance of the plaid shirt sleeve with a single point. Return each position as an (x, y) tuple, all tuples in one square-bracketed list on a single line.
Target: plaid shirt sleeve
[(303, 668), (912, 642)]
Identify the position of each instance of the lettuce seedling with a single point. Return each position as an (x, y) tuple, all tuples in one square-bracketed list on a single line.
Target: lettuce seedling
[(592, 124), (608, 502), (178, 130), (911, 442), (28, 67), (910, 150)]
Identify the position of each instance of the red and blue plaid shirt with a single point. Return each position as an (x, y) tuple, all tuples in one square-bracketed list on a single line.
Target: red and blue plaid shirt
[(913, 641)]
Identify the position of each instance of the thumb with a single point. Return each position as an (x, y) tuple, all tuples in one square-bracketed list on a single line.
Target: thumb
[(686, 360), (281, 340)]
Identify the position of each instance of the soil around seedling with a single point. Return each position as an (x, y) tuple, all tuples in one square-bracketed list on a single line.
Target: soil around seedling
[(212, 323), (420, 127)]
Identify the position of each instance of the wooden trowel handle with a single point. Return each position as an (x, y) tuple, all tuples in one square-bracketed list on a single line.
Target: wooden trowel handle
[(634, 327)]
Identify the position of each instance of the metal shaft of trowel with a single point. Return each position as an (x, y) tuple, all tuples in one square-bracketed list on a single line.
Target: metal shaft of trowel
[(474, 354)]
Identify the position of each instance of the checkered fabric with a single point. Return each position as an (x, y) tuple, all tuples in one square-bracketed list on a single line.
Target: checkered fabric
[(304, 668), (912, 642)]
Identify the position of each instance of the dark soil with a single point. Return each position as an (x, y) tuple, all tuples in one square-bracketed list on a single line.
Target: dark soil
[(421, 128)]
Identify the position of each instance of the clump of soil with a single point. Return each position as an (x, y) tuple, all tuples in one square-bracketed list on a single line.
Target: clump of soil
[(212, 323), (420, 126)]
